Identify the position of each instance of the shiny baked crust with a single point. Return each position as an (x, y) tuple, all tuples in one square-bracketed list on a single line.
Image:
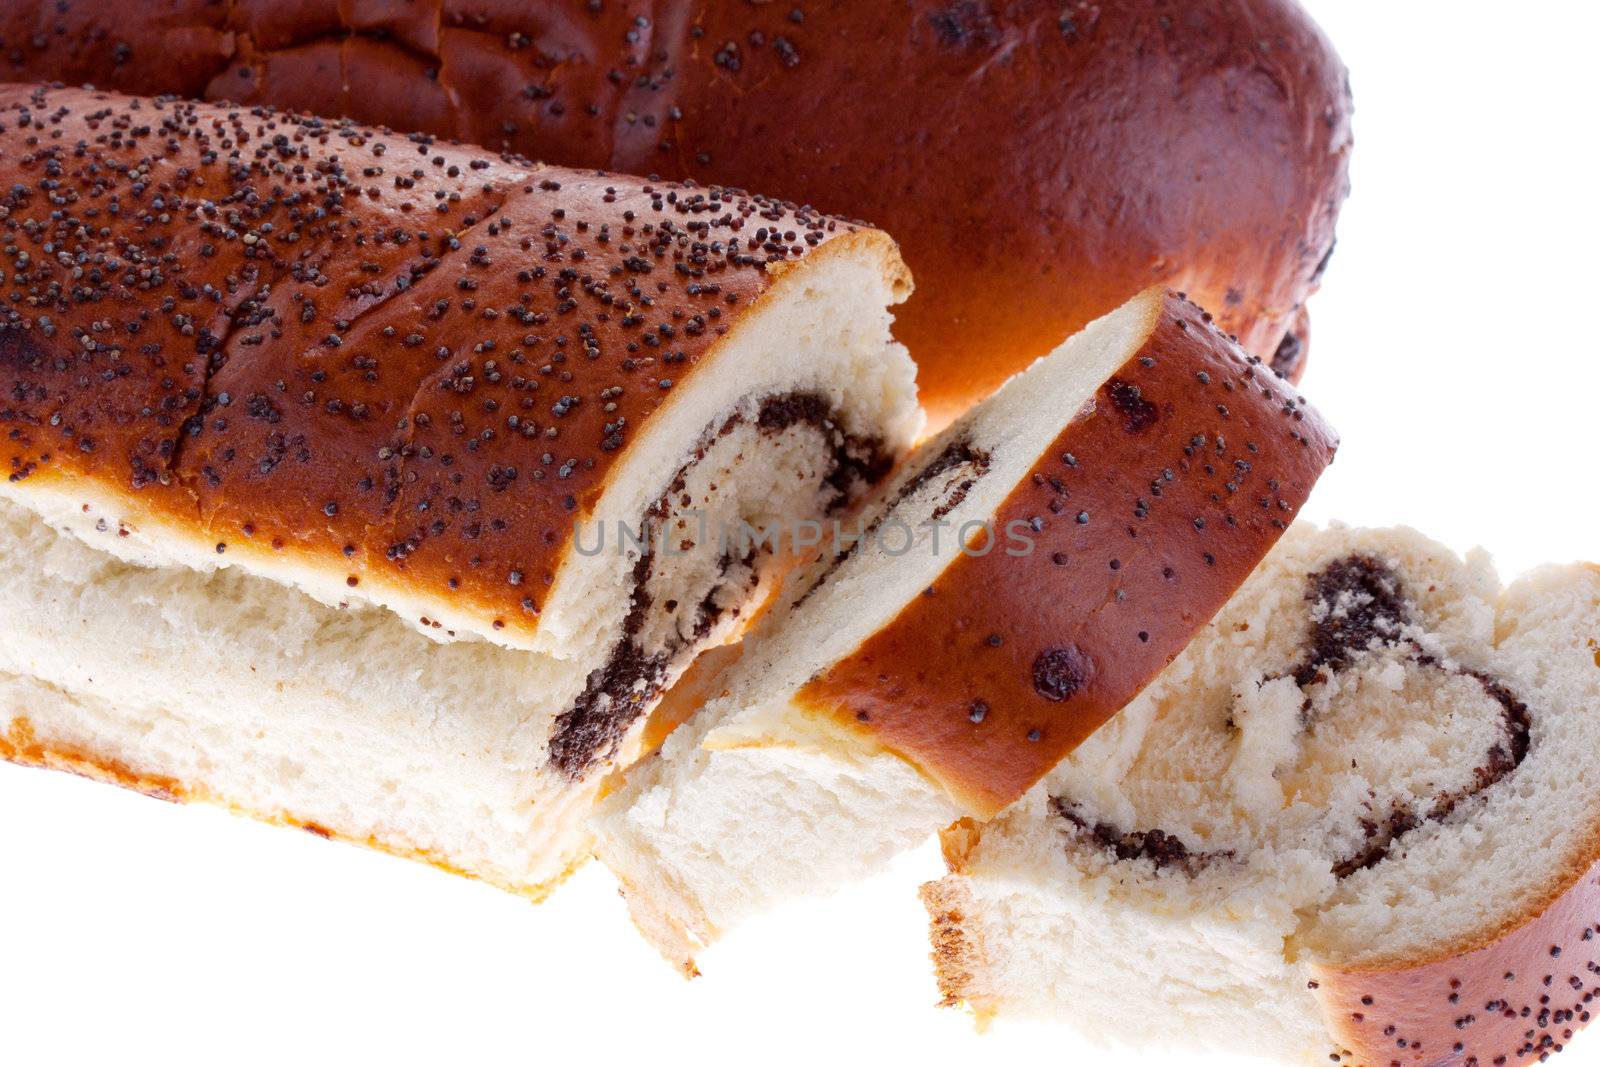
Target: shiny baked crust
[(1150, 508), (393, 363), (1115, 145), (1508, 997)]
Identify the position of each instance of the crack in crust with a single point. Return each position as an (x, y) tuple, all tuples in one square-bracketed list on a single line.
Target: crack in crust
[(317, 344), (687, 90)]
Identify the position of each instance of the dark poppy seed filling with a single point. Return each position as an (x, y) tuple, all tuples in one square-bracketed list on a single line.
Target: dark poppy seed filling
[(621, 690), (1500, 761), (1366, 605), (1363, 609), (1290, 356), (1159, 847), (958, 455), (1368, 609), (855, 461)]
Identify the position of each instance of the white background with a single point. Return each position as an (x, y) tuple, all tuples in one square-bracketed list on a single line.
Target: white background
[(1454, 345)]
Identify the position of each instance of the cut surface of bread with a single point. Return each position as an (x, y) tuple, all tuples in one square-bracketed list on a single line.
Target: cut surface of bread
[(1354, 819), (1027, 572), (499, 403), (235, 690)]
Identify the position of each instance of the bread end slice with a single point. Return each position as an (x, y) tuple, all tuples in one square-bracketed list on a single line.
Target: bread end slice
[(1355, 819)]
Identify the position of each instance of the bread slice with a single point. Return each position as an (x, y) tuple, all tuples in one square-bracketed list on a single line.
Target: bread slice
[(1355, 822), (1026, 574), (299, 369)]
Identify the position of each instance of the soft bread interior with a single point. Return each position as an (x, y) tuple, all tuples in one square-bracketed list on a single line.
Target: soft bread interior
[(921, 523), (820, 332), (1465, 879), (755, 800), (283, 693), (235, 690), (1333, 773)]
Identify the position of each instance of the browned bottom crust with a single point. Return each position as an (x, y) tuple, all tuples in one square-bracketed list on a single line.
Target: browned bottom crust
[(20, 744), (958, 956)]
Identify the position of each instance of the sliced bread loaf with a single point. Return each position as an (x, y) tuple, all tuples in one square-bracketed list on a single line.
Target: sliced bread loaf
[(1029, 571), (1355, 822), (277, 370)]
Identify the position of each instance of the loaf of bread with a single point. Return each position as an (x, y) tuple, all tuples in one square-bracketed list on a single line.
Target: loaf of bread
[(1115, 145), (1355, 822), (1025, 575), (301, 385)]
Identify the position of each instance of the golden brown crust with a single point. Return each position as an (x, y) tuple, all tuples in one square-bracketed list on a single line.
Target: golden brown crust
[(1508, 997), (1114, 145), (21, 745), (958, 955), (958, 842), (1144, 516), (414, 363)]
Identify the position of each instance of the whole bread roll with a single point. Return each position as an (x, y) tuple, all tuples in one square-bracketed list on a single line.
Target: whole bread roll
[(1030, 570), (511, 404), (1353, 823), (1115, 144)]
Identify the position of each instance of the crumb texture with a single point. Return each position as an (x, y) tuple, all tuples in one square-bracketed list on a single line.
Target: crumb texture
[(233, 690), (1355, 811), (927, 670), (244, 350)]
